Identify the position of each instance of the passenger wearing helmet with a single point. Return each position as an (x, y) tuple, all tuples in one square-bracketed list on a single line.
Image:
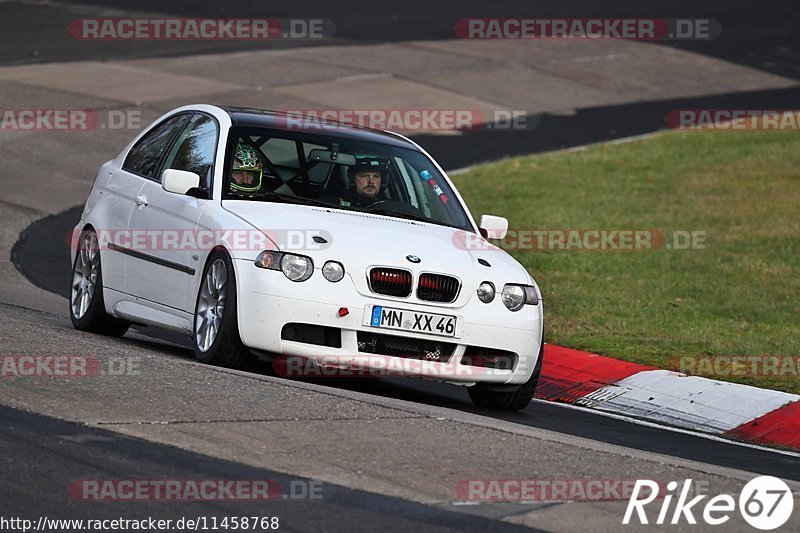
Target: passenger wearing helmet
[(247, 170), (367, 181)]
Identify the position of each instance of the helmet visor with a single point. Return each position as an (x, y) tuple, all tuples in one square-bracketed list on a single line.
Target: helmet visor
[(246, 180)]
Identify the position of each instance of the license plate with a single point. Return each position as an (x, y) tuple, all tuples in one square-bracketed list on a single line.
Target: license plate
[(378, 316)]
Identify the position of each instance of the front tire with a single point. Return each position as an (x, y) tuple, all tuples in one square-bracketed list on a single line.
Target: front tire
[(513, 399), (215, 334), (86, 307)]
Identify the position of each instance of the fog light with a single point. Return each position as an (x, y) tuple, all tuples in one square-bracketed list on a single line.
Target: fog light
[(333, 271), (486, 292)]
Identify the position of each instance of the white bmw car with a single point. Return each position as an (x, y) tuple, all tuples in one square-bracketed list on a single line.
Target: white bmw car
[(258, 233)]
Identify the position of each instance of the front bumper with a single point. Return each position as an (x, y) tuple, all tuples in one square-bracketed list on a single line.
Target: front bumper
[(268, 301)]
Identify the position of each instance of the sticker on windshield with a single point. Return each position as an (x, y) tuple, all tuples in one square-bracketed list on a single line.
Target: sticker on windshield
[(430, 180)]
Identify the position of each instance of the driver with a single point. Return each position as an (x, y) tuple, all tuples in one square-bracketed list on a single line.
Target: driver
[(246, 171), (367, 181)]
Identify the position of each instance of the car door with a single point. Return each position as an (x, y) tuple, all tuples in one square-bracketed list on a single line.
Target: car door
[(167, 222), (121, 192)]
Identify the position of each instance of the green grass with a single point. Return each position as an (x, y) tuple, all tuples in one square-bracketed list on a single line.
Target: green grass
[(738, 296)]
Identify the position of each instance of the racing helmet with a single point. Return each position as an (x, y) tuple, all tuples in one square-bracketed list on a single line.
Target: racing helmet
[(369, 163), (246, 159)]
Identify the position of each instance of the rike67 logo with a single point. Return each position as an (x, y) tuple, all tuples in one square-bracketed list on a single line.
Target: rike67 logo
[(765, 503)]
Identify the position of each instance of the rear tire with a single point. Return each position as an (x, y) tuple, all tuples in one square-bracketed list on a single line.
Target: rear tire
[(86, 306), (215, 334), (513, 399)]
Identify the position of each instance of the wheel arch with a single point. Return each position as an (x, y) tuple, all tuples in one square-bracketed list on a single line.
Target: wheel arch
[(217, 248)]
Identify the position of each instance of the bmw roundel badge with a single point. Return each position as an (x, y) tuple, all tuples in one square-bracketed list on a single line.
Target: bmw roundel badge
[(413, 258)]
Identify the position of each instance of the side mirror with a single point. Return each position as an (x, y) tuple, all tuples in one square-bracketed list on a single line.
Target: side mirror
[(493, 227), (179, 181)]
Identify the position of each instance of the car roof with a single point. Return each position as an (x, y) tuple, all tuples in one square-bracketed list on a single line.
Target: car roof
[(261, 118)]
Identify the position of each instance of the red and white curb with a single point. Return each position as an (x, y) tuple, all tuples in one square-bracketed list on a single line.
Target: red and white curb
[(743, 412)]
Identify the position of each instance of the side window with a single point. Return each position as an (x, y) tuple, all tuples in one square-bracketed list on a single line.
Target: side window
[(145, 154), (281, 152), (195, 148)]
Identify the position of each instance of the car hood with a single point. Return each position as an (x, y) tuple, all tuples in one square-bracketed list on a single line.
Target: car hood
[(363, 240)]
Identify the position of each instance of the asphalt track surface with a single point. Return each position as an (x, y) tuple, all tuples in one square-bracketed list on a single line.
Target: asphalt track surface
[(760, 34), (764, 35), (51, 445), (43, 245), (36, 446)]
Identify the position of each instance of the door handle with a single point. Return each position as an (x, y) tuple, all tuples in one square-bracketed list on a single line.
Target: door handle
[(141, 200)]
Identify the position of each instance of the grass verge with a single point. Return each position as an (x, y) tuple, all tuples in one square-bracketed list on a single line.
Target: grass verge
[(681, 309)]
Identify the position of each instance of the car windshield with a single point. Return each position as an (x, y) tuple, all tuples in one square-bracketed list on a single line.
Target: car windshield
[(339, 172)]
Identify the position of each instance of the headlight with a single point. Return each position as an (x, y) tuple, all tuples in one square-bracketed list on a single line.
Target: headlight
[(486, 292), (333, 271), (294, 267), (297, 267), (515, 296)]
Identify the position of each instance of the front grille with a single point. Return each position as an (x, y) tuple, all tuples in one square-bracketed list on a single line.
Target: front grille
[(390, 281), (437, 288), (407, 347)]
